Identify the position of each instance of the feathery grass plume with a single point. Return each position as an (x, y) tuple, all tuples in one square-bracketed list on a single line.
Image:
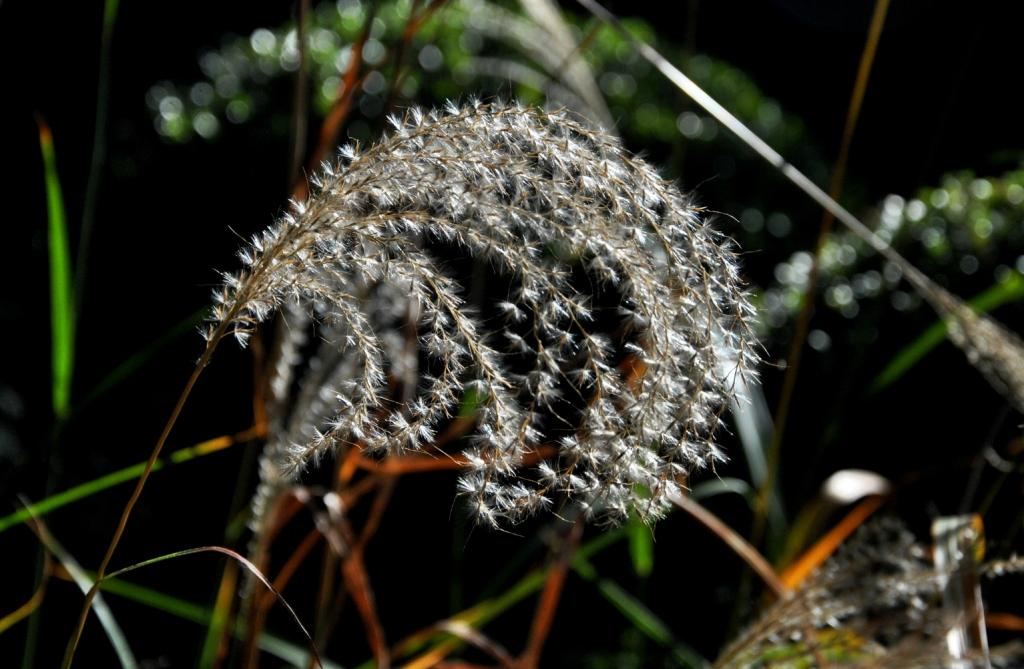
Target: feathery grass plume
[(618, 303), (876, 603)]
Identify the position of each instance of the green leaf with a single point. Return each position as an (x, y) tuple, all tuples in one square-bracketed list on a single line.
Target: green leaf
[(641, 547), (1010, 289), (641, 617), (471, 401), (178, 608), (109, 15), (135, 362), (62, 308), (219, 619)]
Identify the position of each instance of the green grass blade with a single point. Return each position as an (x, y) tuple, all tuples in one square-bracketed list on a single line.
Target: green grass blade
[(641, 547), (99, 148), (754, 427), (135, 362), (1010, 289), (214, 634), (534, 581), (223, 603), (90, 488), (178, 608), (62, 308), (513, 567), (471, 402), (637, 613)]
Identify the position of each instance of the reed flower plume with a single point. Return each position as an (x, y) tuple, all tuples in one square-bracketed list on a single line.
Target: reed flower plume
[(616, 312), (876, 604)]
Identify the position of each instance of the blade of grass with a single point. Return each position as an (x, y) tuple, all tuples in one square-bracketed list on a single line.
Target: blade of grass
[(99, 149), (641, 617), (90, 488), (289, 652), (33, 603), (62, 341), (283, 508), (213, 642), (357, 580), (62, 308), (843, 488), (85, 583), (814, 556), (641, 546), (137, 361), (754, 427), (160, 601), (1011, 289), (342, 545), (479, 640)]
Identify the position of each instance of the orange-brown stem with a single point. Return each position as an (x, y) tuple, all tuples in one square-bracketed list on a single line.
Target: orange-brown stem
[(547, 605)]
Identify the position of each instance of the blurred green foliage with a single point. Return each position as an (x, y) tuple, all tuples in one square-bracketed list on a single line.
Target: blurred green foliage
[(468, 46), (968, 226)]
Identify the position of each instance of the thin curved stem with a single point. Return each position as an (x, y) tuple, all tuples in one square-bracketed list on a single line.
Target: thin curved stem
[(204, 360), (734, 541)]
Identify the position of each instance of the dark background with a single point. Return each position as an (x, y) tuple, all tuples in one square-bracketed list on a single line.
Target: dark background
[(944, 95)]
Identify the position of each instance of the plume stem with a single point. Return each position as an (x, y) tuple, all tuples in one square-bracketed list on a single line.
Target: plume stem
[(204, 360)]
